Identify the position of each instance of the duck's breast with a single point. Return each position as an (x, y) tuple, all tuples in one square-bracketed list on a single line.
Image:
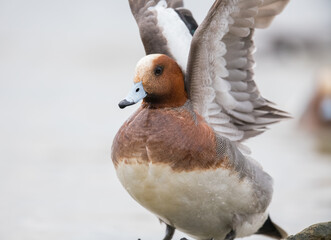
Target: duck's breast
[(177, 137)]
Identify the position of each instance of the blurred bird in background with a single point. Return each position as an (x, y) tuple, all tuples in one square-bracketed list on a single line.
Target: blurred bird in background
[(317, 115)]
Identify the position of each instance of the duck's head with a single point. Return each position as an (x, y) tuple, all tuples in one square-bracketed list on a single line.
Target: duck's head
[(159, 81)]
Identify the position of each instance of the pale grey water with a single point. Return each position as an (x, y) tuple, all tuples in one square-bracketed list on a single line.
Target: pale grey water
[(64, 65)]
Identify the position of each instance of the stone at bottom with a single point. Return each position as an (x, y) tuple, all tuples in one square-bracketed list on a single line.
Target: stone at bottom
[(321, 231)]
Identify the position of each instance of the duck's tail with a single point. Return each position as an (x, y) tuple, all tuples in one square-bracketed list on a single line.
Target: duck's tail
[(272, 230)]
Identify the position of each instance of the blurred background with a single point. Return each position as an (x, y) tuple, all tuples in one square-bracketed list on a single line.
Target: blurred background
[(64, 66)]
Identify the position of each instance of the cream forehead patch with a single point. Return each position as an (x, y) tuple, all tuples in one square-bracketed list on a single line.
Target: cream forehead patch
[(145, 64)]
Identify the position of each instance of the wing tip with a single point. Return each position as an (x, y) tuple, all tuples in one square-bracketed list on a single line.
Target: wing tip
[(272, 230), (263, 20)]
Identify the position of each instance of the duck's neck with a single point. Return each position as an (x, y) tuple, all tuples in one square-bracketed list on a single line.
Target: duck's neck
[(172, 101)]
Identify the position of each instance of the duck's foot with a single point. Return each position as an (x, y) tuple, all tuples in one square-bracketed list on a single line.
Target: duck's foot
[(230, 236), (170, 231)]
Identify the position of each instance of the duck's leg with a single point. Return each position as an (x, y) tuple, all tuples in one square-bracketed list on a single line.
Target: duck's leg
[(230, 236), (170, 231)]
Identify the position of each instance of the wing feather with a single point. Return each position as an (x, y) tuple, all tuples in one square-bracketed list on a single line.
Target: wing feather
[(165, 27), (220, 69), (175, 3), (268, 11)]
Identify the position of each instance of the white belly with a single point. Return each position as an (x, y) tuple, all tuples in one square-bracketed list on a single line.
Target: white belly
[(203, 203)]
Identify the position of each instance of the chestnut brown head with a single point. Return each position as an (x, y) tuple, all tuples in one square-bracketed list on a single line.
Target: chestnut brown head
[(159, 81)]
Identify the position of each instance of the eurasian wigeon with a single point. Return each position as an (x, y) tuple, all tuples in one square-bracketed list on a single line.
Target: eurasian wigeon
[(180, 154)]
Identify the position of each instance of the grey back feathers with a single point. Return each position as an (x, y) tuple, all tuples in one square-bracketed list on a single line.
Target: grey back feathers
[(247, 168)]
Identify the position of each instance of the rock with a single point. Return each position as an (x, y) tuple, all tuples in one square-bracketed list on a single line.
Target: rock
[(321, 231)]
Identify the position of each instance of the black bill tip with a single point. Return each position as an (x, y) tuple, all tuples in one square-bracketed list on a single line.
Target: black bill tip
[(124, 103)]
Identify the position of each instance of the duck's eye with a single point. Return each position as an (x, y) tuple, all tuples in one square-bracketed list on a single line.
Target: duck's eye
[(158, 70)]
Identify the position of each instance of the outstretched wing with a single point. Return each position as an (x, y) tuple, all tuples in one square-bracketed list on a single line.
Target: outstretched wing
[(165, 27), (220, 68)]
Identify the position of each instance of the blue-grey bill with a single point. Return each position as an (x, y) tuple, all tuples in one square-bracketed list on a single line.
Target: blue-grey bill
[(136, 94)]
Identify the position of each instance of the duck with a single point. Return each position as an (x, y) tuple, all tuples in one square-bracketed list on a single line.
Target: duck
[(316, 118), (181, 154)]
